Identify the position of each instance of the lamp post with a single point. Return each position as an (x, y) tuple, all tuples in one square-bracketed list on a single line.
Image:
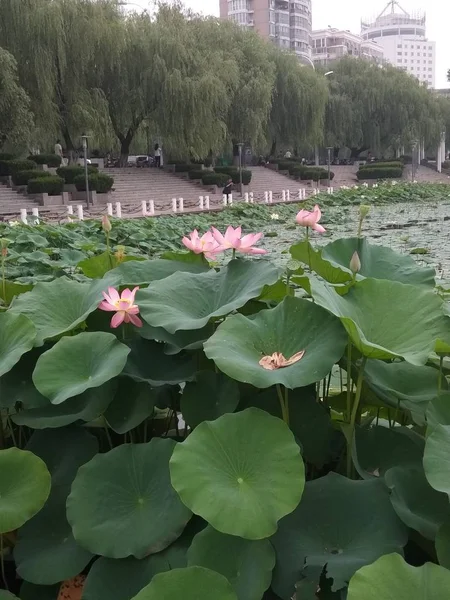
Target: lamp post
[(329, 149), (240, 146), (414, 146), (86, 174)]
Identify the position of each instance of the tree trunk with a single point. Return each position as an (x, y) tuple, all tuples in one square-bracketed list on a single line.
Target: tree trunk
[(124, 151), (273, 148), (70, 149)]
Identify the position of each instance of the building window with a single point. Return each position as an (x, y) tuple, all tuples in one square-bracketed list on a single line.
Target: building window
[(430, 62), (399, 46), (399, 53), (430, 54), (418, 47), (430, 68), (430, 47)]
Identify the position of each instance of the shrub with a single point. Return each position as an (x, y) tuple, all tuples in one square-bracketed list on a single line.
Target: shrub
[(51, 160), (384, 164), (14, 166), (315, 174), (23, 177), (446, 164), (285, 165), (379, 173), (246, 176), (5, 158), (219, 179), (229, 170), (70, 172), (184, 167), (98, 182), (196, 174), (296, 168), (52, 185), (405, 159)]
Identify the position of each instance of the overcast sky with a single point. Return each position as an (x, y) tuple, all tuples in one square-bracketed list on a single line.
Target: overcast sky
[(347, 14)]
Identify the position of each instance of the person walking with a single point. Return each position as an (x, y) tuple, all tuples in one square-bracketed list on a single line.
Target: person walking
[(227, 190), (157, 156), (59, 151)]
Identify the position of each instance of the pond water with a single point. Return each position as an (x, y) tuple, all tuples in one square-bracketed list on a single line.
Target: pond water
[(422, 230)]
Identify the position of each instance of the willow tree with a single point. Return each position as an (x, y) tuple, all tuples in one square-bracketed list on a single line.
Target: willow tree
[(15, 117), (298, 103)]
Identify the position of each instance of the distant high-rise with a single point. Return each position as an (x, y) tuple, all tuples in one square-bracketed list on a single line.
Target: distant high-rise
[(403, 39), (286, 22)]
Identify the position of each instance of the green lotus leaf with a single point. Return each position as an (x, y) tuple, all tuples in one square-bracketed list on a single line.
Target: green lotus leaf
[(30, 591), (16, 386), (58, 306), (188, 301), (97, 266), (209, 397), (377, 262), (24, 487), (391, 578), (438, 411), (13, 289), (78, 363), (305, 253), (144, 272), (132, 404), (247, 564), (181, 340), (436, 458), (148, 363), (331, 529), (46, 552), (86, 407), (135, 511), (241, 473), (4, 595), (386, 319), (417, 504), (400, 383), (294, 325), (17, 336), (443, 544), (377, 449), (195, 583)]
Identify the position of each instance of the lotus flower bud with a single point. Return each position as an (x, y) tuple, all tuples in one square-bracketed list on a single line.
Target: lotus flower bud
[(355, 263), (106, 224), (120, 253), (364, 210)]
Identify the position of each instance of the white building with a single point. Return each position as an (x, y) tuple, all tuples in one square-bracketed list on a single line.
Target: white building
[(404, 42), (333, 44)]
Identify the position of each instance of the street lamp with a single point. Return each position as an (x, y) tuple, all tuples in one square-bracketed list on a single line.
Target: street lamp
[(240, 146), (86, 174), (414, 146)]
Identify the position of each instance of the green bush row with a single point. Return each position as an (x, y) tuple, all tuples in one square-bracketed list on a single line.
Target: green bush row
[(219, 179), (23, 177), (10, 167), (51, 185), (397, 164), (196, 174), (379, 173), (51, 160), (98, 182), (70, 172)]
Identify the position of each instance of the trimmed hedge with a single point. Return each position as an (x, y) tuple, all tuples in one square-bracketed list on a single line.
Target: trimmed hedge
[(98, 182), (219, 179), (285, 165), (51, 185), (196, 174), (14, 166), (71, 171), (228, 170), (379, 173), (184, 168), (6, 156), (381, 165), (51, 160), (246, 176), (315, 174), (23, 177)]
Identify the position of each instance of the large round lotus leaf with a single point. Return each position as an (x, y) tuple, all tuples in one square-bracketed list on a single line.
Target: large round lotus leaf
[(24, 487), (144, 272), (436, 458), (247, 564), (132, 404), (391, 578), (16, 386), (377, 449), (340, 525), (134, 511), (402, 382), (58, 306), (4, 595), (209, 397), (147, 363), (181, 340), (192, 583), (30, 591), (414, 500), (86, 407), (46, 552), (188, 301), (443, 544), (438, 411), (17, 335), (377, 262), (305, 253), (386, 319), (78, 363), (241, 473), (294, 325)]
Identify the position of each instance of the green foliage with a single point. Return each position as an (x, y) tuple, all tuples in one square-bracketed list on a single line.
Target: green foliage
[(51, 160), (98, 182), (196, 174), (69, 172), (380, 173), (219, 179), (52, 185), (14, 166), (23, 177)]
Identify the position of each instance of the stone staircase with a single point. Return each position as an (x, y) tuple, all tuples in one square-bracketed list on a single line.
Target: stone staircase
[(11, 202)]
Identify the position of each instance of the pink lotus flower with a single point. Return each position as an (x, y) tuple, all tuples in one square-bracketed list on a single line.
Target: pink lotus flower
[(123, 305), (233, 240), (278, 361), (305, 218), (206, 244)]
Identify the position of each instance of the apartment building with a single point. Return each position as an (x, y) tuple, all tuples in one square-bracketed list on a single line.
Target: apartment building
[(331, 44)]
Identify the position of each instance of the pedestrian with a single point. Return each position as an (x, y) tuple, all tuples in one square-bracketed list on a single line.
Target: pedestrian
[(227, 190), (157, 156), (59, 151)]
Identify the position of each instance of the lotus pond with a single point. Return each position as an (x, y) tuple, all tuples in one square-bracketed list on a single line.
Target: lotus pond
[(241, 429)]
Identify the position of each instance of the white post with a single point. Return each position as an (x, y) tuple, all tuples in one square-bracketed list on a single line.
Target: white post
[(118, 210), (144, 208), (283, 195), (152, 207), (181, 204), (80, 212), (330, 190), (174, 205), (266, 197), (207, 202), (109, 209), (439, 159), (201, 202), (224, 199), (230, 199), (270, 197), (70, 210), (288, 196), (251, 198), (300, 194), (246, 197), (35, 211), (23, 215)]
